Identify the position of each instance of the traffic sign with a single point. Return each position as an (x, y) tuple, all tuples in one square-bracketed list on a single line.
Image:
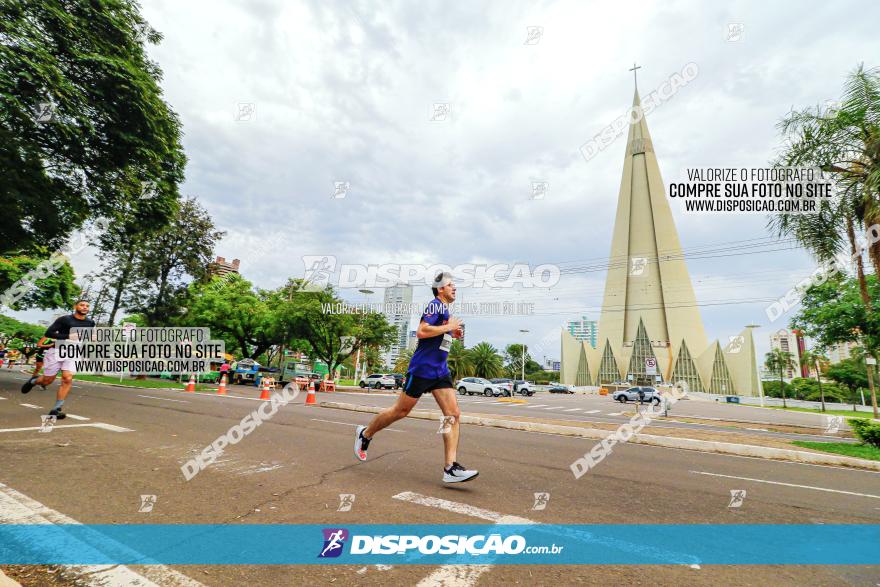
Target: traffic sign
[(650, 366)]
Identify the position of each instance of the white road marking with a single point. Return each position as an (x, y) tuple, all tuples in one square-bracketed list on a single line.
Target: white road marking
[(577, 409), (758, 429), (80, 418), (458, 575), (350, 424), (615, 414), (180, 401), (2, 398), (17, 508), (460, 508), (31, 406), (591, 411), (100, 425), (555, 408), (538, 405), (788, 484)]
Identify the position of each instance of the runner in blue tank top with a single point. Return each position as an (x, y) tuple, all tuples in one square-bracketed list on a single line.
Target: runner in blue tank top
[(428, 372)]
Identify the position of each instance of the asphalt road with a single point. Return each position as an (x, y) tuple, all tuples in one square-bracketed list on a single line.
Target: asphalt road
[(293, 468), (592, 408)]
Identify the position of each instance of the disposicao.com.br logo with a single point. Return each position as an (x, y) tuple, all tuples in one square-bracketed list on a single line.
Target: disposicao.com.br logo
[(393, 544)]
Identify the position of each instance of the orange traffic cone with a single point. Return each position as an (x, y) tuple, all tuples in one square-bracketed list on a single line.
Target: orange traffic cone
[(265, 393), (222, 389), (191, 386), (310, 397)]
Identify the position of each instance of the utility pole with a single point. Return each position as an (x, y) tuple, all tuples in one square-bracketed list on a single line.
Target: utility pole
[(871, 363)]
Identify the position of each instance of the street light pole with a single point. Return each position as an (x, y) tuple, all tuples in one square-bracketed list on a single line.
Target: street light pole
[(357, 360), (523, 361)]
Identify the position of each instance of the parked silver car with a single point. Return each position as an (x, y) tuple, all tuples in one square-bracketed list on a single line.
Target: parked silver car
[(637, 394)]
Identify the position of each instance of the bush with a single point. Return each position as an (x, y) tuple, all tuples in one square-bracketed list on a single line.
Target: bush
[(771, 389), (867, 431)]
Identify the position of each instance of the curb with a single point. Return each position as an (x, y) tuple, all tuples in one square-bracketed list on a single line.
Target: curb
[(729, 448), (130, 386)]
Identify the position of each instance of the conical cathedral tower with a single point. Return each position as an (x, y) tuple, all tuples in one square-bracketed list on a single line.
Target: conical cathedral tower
[(649, 311)]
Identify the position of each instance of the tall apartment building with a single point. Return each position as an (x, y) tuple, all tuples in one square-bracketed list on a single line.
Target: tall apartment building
[(790, 342), (222, 267), (584, 329), (398, 300)]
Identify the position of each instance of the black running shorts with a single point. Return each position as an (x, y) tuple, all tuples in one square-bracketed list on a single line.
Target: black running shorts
[(416, 386)]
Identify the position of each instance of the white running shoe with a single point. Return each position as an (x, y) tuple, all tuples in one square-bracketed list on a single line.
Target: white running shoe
[(458, 474), (361, 443)]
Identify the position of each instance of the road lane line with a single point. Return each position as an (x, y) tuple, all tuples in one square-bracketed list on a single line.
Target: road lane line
[(539, 405), (101, 425), (788, 484), (460, 508), (17, 508), (80, 418), (165, 399), (591, 411), (350, 424), (577, 409), (557, 408), (458, 575), (31, 406)]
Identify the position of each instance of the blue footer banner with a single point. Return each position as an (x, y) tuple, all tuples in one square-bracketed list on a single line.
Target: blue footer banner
[(424, 544)]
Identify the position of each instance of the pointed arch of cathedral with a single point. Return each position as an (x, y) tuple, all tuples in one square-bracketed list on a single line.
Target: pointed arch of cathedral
[(583, 372), (720, 381), (642, 350), (608, 370), (686, 370)]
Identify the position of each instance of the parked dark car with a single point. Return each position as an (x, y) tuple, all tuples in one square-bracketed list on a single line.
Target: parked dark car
[(559, 388)]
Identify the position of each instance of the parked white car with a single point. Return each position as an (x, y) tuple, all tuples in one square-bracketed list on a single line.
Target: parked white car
[(479, 386), (379, 381)]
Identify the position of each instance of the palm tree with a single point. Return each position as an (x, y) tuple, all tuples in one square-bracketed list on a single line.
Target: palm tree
[(402, 364), (844, 142), (486, 361), (817, 360), (779, 360), (459, 360)]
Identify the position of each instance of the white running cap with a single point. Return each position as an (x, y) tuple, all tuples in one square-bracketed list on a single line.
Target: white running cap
[(442, 279)]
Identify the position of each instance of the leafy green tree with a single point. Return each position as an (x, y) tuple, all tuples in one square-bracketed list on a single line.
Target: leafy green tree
[(486, 361), (334, 337), (833, 313), (774, 389), (513, 360), (81, 112), (244, 318), (402, 364), (850, 373), (185, 247), (29, 282), (20, 336), (459, 361), (779, 361)]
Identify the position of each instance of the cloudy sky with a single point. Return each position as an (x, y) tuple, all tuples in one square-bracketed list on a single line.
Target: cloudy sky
[(344, 92)]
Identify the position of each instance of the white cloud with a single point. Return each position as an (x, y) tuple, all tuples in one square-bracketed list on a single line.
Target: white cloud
[(343, 92)]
